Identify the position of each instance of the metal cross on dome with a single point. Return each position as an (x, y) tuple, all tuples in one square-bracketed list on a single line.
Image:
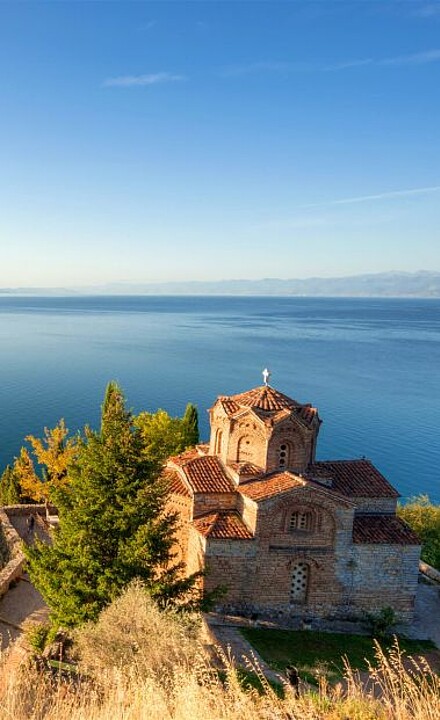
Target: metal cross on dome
[(266, 376)]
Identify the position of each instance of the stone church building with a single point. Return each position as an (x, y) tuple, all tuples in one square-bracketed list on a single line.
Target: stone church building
[(284, 533)]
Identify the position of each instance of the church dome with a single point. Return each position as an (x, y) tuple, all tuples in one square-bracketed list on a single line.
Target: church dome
[(264, 398)]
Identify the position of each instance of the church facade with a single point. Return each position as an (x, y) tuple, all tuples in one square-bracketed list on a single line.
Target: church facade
[(283, 533)]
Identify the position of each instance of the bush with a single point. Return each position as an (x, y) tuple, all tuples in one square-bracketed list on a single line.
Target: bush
[(424, 518), (132, 631), (381, 623)]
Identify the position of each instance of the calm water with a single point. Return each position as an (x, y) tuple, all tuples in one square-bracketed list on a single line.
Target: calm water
[(372, 367)]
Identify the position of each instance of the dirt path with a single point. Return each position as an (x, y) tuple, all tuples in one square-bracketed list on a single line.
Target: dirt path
[(21, 603)]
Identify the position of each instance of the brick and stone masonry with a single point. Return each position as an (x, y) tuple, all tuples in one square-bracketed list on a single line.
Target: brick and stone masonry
[(285, 534)]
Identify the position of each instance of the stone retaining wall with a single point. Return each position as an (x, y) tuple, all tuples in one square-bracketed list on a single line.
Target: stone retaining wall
[(10, 517), (14, 567)]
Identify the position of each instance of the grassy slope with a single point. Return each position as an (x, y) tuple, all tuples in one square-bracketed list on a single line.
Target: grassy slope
[(322, 653)]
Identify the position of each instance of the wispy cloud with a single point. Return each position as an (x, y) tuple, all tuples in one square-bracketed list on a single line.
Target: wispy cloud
[(378, 196), (421, 58), (427, 11), (143, 80), (263, 66), (277, 67)]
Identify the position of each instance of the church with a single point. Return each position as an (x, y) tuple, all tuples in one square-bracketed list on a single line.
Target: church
[(284, 534)]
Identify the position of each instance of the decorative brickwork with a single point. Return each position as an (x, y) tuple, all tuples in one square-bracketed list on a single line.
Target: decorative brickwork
[(283, 533)]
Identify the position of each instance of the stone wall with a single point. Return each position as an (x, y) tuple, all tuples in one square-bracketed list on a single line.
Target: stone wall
[(14, 568), (299, 446), (210, 502), (182, 506), (385, 575), (13, 521), (381, 505)]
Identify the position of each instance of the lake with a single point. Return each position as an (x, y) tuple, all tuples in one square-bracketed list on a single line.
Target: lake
[(371, 366)]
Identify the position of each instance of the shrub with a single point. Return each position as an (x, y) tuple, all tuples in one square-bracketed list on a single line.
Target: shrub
[(424, 518), (380, 623)]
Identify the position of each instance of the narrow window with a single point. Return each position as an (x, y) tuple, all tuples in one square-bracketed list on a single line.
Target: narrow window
[(301, 521), (283, 455), (218, 442), (300, 582)]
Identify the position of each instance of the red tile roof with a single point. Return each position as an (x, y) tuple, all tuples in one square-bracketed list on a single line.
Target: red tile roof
[(226, 525), (176, 486), (268, 403), (353, 478), (245, 468), (264, 398), (270, 485), (184, 457), (382, 530), (207, 475)]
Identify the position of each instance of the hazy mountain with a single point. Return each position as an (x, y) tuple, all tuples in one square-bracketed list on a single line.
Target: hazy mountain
[(391, 284)]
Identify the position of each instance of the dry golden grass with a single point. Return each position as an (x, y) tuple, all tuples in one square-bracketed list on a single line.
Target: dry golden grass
[(139, 664)]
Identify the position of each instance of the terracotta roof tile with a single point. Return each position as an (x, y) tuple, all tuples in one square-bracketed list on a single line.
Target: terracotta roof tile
[(269, 404), (382, 530), (264, 398), (270, 485), (245, 468), (226, 525), (184, 457), (176, 486), (353, 478), (207, 475)]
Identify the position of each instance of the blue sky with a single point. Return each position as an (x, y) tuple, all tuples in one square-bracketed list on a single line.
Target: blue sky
[(144, 141)]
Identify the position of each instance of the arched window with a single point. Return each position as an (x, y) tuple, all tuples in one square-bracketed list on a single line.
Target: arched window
[(301, 520), (218, 442), (283, 455), (244, 449), (300, 582)]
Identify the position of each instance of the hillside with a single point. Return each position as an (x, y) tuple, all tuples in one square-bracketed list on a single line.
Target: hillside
[(138, 664), (422, 284)]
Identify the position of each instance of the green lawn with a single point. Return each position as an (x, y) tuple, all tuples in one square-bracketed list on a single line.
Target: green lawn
[(316, 653)]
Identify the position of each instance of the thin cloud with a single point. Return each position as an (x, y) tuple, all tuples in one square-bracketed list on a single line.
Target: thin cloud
[(262, 67), (427, 11), (276, 67), (421, 58), (143, 80), (349, 64), (378, 196)]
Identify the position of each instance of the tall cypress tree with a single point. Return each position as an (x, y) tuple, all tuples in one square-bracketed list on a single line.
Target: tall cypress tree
[(190, 422), (112, 524), (10, 489)]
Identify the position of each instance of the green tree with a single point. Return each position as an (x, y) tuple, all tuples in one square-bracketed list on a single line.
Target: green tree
[(190, 422), (424, 518), (164, 435), (10, 489), (113, 525)]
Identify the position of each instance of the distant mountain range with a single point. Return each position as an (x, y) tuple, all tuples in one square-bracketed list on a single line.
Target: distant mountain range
[(391, 284)]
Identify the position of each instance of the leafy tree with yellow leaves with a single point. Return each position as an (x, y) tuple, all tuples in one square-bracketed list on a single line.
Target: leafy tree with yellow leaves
[(52, 455)]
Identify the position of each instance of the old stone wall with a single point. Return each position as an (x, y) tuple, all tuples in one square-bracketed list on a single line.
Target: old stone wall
[(297, 444), (231, 564), (209, 502), (14, 568), (385, 575), (183, 507), (248, 510), (381, 505), (248, 440)]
